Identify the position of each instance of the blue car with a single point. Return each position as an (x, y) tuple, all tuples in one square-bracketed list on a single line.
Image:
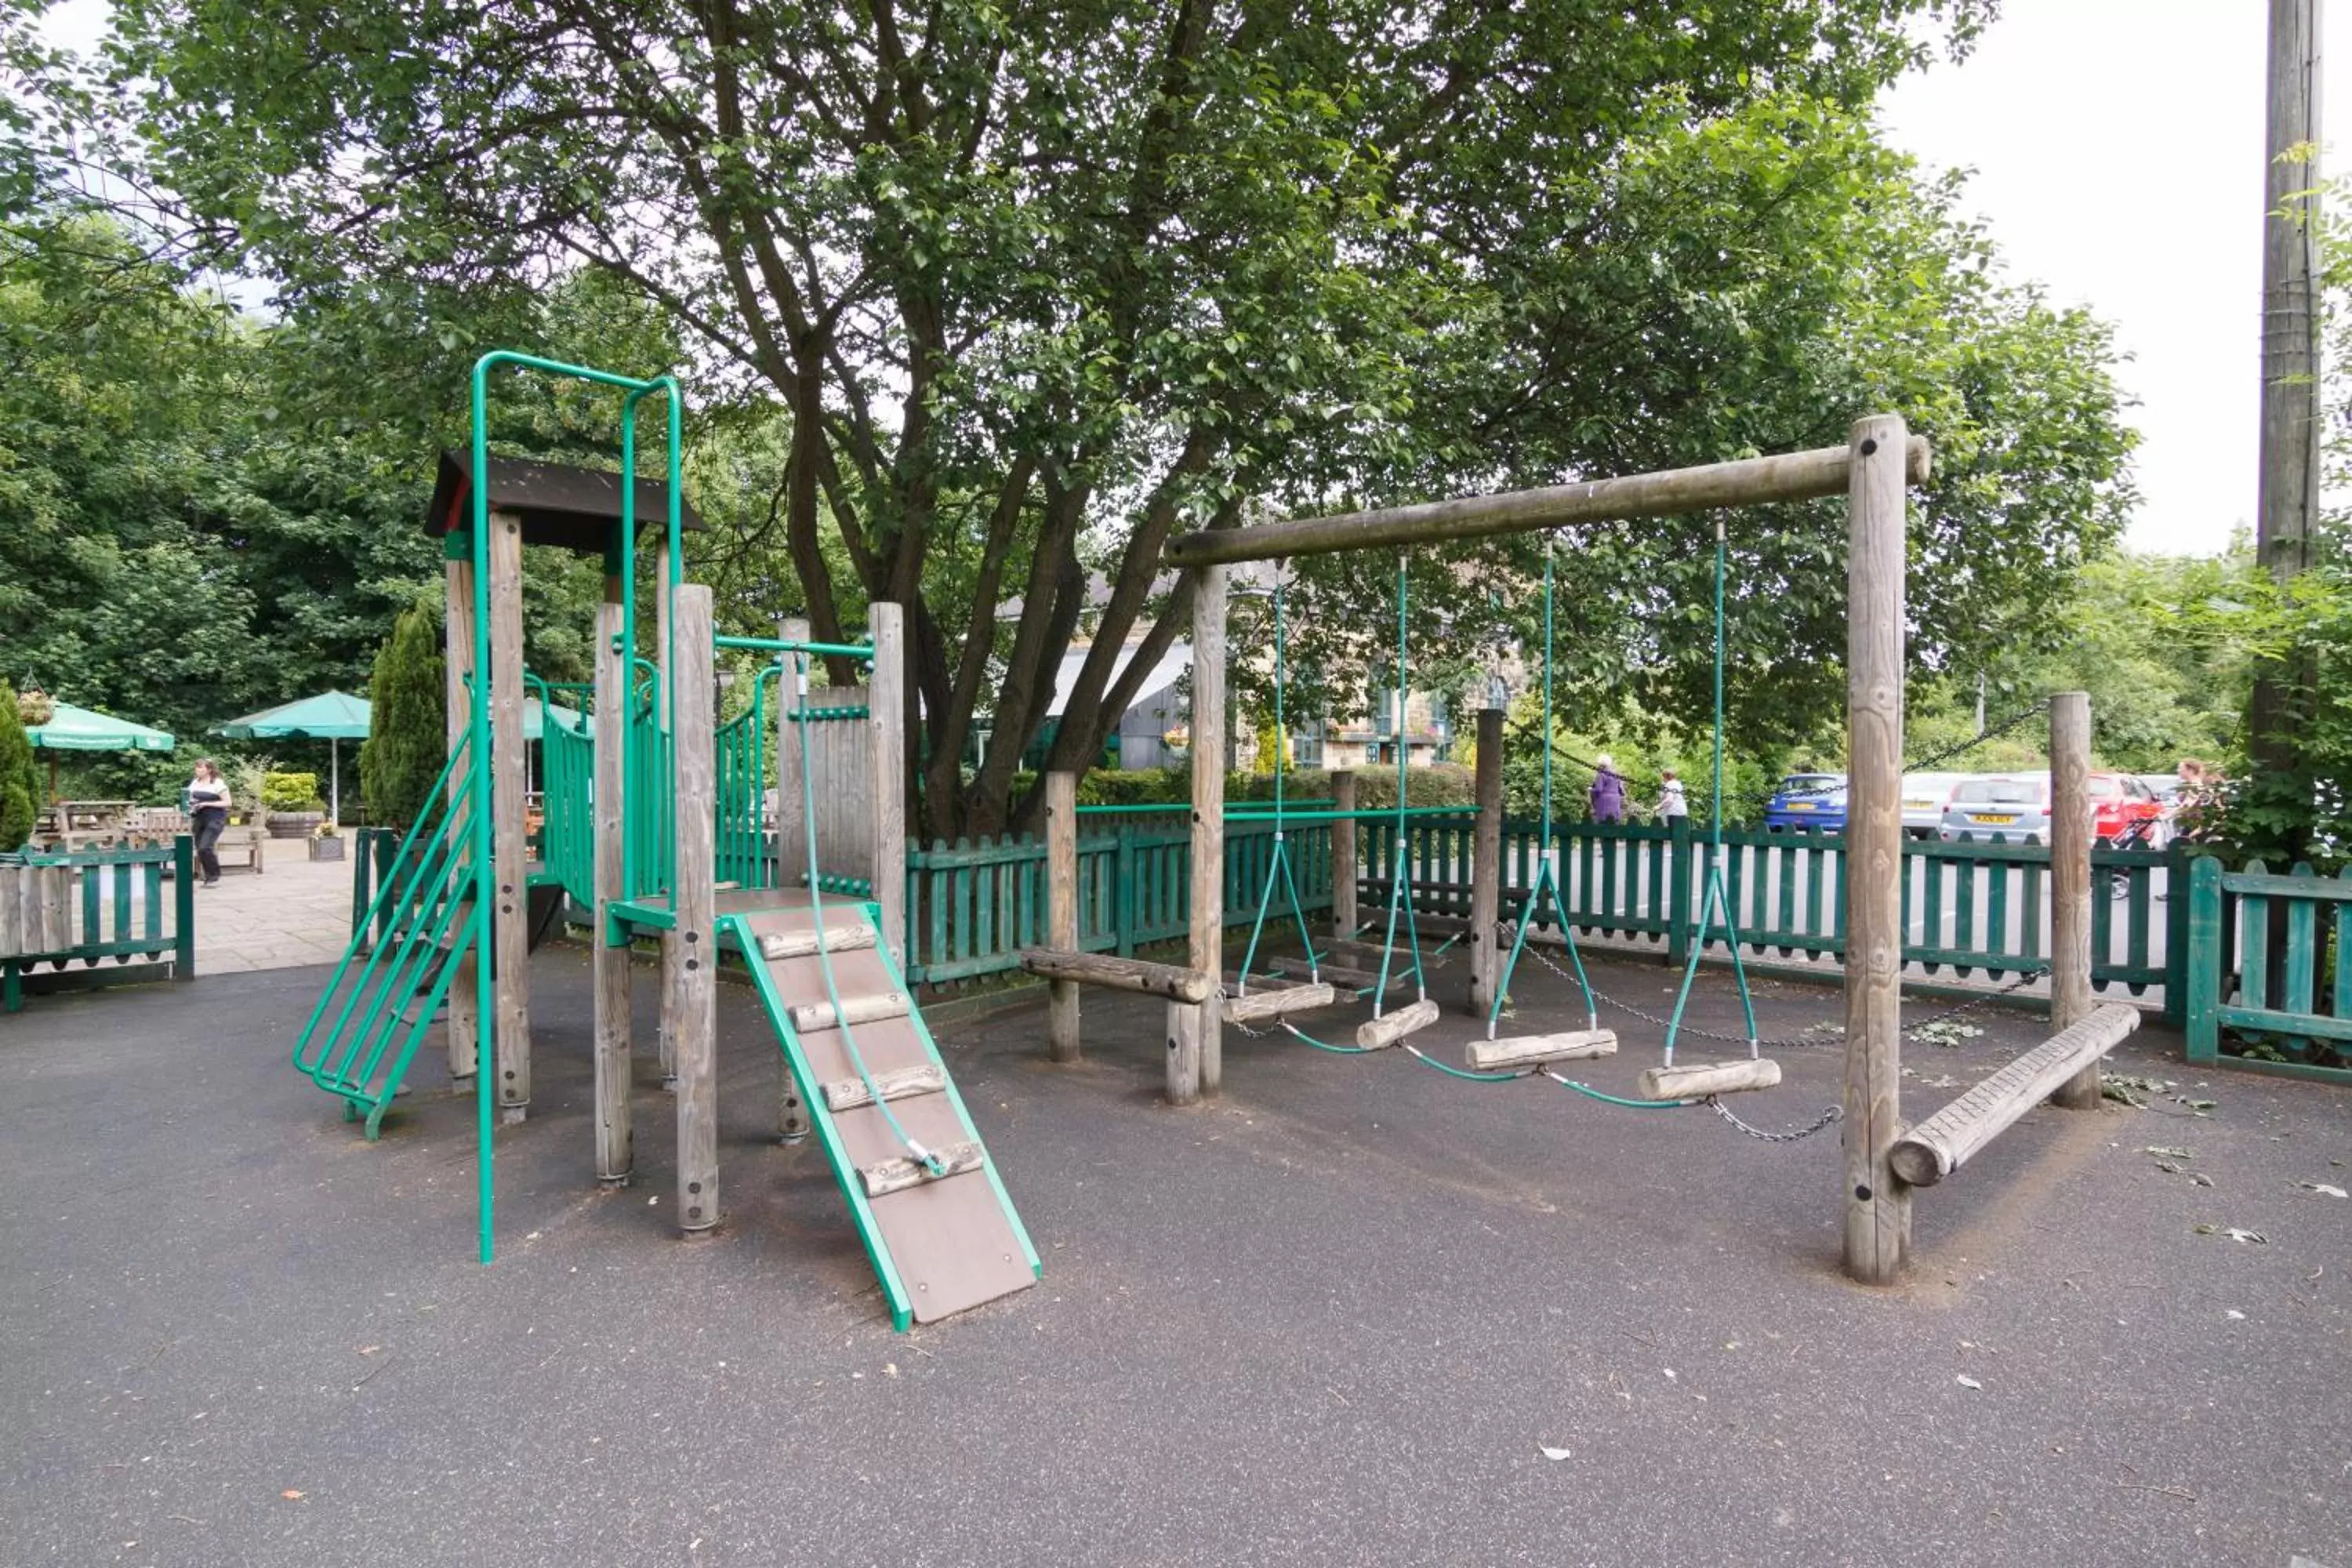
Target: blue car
[(1807, 803)]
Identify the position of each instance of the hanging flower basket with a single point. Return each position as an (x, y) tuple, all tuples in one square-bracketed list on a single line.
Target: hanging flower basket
[(35, 707)]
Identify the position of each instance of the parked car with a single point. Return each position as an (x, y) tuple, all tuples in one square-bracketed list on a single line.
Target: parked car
[(1810, 803), (2119, 803), (1925, 797), (2003, 809)]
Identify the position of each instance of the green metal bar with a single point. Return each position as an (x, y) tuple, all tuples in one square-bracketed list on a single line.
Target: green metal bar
[(785, 645), (2254, 946)]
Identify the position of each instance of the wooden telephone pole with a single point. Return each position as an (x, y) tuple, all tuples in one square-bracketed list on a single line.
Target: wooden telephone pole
[(2288, 502)]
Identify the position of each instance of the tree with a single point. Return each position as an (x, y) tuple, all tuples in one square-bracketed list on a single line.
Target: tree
[(20, 787), (1038, 286), (407, 742)]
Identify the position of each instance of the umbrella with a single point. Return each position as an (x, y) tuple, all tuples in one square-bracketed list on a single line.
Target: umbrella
[(333, 716), (72, 728), (337, 716)]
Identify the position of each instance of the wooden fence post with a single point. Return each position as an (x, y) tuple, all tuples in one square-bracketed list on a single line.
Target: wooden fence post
[(2070, 883), (2177, 866), (183, 907), (1062, 907), (1486, 863), (465, 1027), (2206, 961), (1196, 1064), (1877, 1206), (886, 717), (615, 1140), (690, 990), (792, 820), (510, 933), (1343, 854)]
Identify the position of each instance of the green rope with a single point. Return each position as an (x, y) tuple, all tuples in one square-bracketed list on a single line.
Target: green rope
[(1280, 865), (1400, 862), (1589, 1093), (929, 1160)]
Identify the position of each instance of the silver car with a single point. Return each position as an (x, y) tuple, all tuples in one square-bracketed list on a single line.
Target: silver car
[(1925, 797), (2008, 809)]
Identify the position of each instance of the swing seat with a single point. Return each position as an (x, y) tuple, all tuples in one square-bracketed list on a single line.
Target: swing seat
[(1703, 1078), (1278, 1002), (1343, 975), (1534, 1050), (1388, 1028)]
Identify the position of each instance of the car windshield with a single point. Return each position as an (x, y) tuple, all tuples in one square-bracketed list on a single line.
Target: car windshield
[(1997, 792), (1810, 784)]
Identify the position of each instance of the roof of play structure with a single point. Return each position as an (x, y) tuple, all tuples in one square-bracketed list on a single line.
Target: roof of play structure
[(558, 503)]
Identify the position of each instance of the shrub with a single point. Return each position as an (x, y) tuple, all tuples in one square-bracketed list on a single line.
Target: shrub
[(289, 792), (408, 741), (20, 785)]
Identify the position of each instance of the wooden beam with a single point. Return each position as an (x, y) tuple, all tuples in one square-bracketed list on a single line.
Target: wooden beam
[(510, 930), (1877, 1208), (690, 950), (1197, 1068), (1753, 481), (1062, 909), (1373, 1033), (1172, 981), (1699, 1080), (1942, 1144), (1533, 1050), (1486, 863), (2071, 823), (614, 1135), (1343, 852), (810, 1016), (1276, 1003), (465, 1028), (885, 707)]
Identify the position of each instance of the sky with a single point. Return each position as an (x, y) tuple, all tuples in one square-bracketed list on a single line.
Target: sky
[(2118, 149)]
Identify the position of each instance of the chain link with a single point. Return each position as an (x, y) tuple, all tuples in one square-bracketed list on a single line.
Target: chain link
[(1829, 1118)]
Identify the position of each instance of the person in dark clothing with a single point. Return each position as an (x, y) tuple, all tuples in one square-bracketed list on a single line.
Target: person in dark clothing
[(1608, 791), (208, 811)]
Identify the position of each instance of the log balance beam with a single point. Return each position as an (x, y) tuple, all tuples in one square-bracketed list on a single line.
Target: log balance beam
[(1935, 1148), (1174, 981)]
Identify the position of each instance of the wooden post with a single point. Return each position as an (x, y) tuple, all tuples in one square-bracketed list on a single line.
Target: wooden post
[(691, 978), (2070, 883), (510, 933), (792, 818), (465, 1030), (1062, 907), (1486, 864), (615, 1154), (1343, 855), (1197, 1066), (1877, 1204), (886, 702)]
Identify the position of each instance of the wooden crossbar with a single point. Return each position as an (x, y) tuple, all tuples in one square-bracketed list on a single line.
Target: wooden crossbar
[(1168, 980), (1943, 1143)]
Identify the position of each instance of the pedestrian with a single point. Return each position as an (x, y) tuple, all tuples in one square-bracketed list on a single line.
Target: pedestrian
[(1608, 790), (1673, 804), (208, 810)]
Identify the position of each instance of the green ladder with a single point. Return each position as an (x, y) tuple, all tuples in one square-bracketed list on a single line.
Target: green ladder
[(403, 957), (941, 1232)]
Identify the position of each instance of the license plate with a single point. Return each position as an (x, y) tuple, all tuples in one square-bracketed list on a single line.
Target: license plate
[(1993, 821), (1801, 806)]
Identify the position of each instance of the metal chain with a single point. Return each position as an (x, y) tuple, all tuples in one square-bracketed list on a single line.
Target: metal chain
[(1829, 1118), (2015, 719)]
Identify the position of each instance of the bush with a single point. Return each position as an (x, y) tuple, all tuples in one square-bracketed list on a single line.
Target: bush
[(290, 791), (409, 738), (20, 781)]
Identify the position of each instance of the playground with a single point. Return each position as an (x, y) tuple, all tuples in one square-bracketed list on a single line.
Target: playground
[(1345, 1313)]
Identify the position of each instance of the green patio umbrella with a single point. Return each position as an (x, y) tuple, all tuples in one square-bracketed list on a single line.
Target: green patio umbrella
[(333, 716), (72, 728), (338, 716)]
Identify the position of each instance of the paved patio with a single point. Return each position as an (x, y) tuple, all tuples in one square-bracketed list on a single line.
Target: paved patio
[(299, 912)]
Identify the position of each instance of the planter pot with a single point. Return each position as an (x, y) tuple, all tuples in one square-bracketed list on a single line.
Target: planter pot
[(295, 824), (326, 848)]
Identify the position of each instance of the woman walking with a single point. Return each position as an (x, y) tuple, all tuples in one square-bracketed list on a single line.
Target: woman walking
[(208, 808)]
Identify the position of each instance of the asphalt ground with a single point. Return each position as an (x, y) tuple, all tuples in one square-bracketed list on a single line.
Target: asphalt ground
[(1344, 1314)]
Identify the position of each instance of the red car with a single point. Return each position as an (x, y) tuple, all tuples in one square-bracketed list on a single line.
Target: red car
[(2119, 800)]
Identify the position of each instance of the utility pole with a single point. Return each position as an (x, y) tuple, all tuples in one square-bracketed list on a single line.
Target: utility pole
[(2288, 499)]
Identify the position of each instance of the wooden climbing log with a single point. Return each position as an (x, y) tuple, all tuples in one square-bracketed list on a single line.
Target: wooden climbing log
[(1943, 1143), (1389, 1027), (1534, 1050), (1278, 1002), (1343, 974), (1172, 981), (845, 936), (1750, 481), (1702, 1078), (848, 1094), (886, 1176), (810, 1016)]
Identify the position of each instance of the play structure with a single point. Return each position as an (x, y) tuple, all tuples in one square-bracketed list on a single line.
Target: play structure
[(1884, 1160), (663, 826)]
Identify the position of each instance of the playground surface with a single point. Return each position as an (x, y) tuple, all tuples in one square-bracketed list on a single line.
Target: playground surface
[(1351, 1311)]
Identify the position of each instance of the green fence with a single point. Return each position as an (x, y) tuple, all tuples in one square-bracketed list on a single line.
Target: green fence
[(2265, 965), (112, 915)]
